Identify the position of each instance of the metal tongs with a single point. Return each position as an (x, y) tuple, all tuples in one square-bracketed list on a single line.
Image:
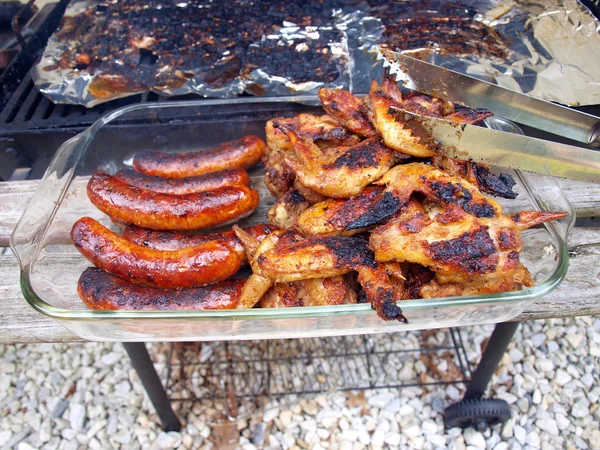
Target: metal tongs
[(474, 143)]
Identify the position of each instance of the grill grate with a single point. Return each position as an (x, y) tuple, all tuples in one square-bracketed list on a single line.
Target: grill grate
[(28, 109), (237, 379)]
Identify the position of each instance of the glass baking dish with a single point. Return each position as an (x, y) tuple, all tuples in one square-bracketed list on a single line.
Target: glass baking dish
[(51, 266)]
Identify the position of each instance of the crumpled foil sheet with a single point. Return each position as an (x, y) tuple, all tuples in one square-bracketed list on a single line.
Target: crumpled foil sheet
[(552, 52)]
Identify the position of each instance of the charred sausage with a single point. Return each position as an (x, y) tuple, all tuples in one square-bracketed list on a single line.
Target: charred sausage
[(179, 186), (241, 153), (159, 211), (203, 264), (101, 290), (172, 240)]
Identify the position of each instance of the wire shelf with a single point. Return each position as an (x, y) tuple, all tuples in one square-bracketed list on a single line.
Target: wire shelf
[(237, 379)]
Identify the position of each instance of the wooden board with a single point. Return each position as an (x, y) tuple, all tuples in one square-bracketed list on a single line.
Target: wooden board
[(579, 294)]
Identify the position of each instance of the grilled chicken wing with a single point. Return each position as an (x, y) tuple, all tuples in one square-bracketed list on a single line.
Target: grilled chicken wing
[(311, 292), (323, 130), (479, 175), (390, 126), (347, 109), (288, 257), (519, 279), (457, 246), (337, 217), (402, 181), (326, 291), (292, 204), (339, 172)]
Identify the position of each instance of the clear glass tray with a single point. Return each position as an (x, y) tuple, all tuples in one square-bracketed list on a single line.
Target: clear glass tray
[(51, 266)]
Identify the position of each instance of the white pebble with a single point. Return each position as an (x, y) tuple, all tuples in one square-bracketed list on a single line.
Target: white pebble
[(393, 439), (378, 438), (581, 408), (286, 418), (574, 340), (77, 416), (520, 434), (548, 424), (561, 377), (412, 431), (270, 414), (533, 439), (380, 400), (562, 422), (5, 436), (474, 438), (110, 359), (516, 355)]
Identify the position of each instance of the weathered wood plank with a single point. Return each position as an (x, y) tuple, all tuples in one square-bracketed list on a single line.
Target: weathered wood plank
[(578, 295), (18, 321), (14, 197), (585, 197)]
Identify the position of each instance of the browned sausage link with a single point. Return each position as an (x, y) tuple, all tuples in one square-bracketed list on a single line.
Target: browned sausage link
[(101, 290), (189, 267), (179, 186), (241, 153), (172, 240), (170, 212)]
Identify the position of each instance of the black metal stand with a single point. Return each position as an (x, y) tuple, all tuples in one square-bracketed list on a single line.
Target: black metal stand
[(496, 347), (141, 362), (474, 410)]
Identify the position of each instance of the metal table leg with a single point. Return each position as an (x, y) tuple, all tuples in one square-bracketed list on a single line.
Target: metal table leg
[(497, 345), (474, 410), (141, 362)]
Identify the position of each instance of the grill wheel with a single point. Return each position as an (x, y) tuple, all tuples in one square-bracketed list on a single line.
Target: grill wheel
[(479, 413)]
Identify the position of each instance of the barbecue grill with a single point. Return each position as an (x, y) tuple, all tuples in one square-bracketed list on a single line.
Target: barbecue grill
[(32, 128)]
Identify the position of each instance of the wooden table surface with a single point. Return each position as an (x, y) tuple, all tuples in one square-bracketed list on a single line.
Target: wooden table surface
[(579, 294)]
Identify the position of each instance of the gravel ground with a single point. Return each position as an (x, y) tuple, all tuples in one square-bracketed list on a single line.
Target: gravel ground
[(71, 396)]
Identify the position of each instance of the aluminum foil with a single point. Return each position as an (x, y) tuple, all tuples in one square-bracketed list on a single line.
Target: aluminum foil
[(552, 52)]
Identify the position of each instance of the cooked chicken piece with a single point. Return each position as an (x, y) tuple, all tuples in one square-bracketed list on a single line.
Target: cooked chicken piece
[(288, 257), (336, 217), (339, 172), (424, 104), (478, 174), (457, 246), (287, 209), (347, 109), (518, 280), (281, 295), (403, 180), (312, 292), (469, 115), (323, 130), (256, 286), (326, 291), (313, 257), (391, 126), (383, 289)]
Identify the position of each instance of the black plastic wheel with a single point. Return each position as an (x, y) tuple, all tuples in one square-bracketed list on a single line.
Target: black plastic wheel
[(478, 413)]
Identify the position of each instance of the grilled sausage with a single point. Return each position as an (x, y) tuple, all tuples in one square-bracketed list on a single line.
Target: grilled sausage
[(179, 186), (241, 153), (101, 290), (207, 263), (170, 212), (172, 240)]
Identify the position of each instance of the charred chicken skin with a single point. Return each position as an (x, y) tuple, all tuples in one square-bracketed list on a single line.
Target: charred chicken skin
[(287, 257), (457, 246), (339, 172)]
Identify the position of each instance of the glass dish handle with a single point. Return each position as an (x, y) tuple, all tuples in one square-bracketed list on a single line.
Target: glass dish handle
[(47, 197)]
